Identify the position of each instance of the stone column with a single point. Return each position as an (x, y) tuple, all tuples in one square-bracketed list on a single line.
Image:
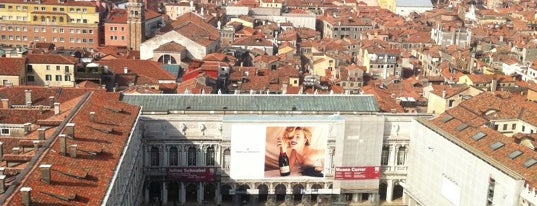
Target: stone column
[(200, 193), (164, 193), (182, 193), (396, 153), (146, 194), (218, 195), (184, 154), (165, 154), (355, 197), (218, 154), (391, 157), (147, 156), (389, 191), (199, 155)]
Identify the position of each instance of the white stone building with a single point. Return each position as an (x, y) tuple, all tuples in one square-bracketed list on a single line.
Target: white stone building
[(203, 135)]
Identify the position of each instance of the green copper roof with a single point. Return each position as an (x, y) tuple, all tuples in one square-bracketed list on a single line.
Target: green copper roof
[(228, 102)]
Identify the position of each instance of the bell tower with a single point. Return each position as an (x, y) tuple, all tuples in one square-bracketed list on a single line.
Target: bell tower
[(135, 24)]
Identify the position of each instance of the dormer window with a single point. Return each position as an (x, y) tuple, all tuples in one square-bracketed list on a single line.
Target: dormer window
[(5, 131)]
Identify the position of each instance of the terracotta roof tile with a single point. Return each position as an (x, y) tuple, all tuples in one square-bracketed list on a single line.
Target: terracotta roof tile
[(83, 180), (50, 59), (12, 66)]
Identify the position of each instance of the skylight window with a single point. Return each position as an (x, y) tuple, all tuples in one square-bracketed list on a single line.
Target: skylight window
[(461, 127), (496, 145), (478, 136), (446, 118), (514, 154), (530, 163)]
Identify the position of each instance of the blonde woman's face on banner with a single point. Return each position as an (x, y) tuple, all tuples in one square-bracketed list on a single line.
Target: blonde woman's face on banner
[(297, 140)]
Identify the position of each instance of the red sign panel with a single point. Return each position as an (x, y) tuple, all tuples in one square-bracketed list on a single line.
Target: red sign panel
[(357, 173), (193, 174)]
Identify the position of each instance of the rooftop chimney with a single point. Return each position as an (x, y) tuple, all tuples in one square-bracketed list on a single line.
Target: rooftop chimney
[(63, 143), (41, 133), (2, 184), (51, 101), (5, 103), (92, 116), (493, 85), (40, 107), (2, 169), (27, 127), (45, 173), (70, 130), (125, 70), (72, 150), (26, 197), (444, 94), (56, 108), (36, 145), (28, 95), (16, 150)]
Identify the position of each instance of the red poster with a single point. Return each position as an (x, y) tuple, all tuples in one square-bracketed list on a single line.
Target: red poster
[(193, 174), (357, 173)]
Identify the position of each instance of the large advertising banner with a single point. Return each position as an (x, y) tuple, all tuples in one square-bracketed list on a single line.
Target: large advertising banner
[(278, 151), (357, 173)]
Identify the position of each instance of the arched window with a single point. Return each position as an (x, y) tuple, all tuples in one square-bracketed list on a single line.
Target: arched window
[(385, 155), (401, 156), (61, 19), (53, 19), (42, 19), (173, 156), (191, 156), (210, 156), (155, 159), (35, 18), (167, 59)]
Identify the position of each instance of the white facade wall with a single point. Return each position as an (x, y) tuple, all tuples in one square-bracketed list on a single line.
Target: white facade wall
[(406, 10), (195, 50), (434, 160), (302, 20), (125, 188)]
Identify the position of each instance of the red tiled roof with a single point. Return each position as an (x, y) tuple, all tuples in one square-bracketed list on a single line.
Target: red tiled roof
[(143, 71), (12, 66), (49, 59), (40, 95), (85, 179), (119, 16), (473, 113)]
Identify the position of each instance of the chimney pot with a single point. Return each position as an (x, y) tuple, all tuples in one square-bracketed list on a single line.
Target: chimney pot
[(70, 130), (41, 133), (63, 143), (5, 103), (2, 184), (27, 127), (28, 98), (125, 70), (72, 150), (45, 172), (26, 196), (40, 109), (16, 150), (51, 101), (36, 145), (92, 116), (56, 108)]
